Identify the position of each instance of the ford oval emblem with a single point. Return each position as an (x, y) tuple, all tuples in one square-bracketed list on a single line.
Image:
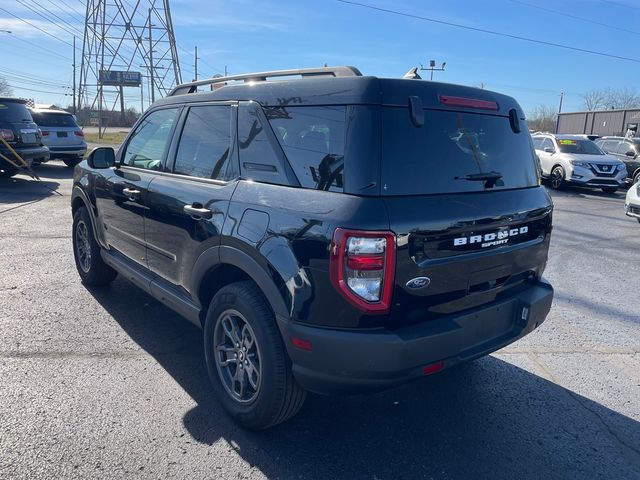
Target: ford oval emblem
[(418, 282)]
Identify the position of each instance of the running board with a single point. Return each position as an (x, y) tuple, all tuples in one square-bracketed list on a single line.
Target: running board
[(154, 286)]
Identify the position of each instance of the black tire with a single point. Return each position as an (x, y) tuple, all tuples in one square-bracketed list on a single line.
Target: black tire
[(91, 268), (276, 396), (609, 189), (72, 162), (7, 171), (556, 178)]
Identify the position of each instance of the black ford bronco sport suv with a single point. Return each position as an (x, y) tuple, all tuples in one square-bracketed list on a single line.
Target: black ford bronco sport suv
[(331, 233)]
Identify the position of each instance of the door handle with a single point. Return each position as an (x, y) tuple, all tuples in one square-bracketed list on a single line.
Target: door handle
[(197, 213), (131, 194)]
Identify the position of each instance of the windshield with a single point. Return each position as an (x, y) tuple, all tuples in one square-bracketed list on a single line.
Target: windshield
[(14, 112), (53, 119), (579, 147), (453, 152)]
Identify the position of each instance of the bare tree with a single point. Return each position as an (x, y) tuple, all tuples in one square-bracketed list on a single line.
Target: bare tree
[(623, 98), (594, 99), (602, 99), (5, 88), (543, 119)]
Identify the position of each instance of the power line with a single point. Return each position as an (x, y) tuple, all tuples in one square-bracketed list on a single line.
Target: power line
[(491, 32), (558, 12), (36, 27), (39, 46)]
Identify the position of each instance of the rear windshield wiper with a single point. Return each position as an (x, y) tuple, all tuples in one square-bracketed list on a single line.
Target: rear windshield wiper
[(489, 178)]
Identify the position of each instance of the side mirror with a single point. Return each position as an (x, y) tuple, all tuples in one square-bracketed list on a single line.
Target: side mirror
[(549, 150), (102, 157), (631, 154)]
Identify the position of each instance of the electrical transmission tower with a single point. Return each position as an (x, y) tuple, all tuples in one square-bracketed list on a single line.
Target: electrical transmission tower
[(127, 43)]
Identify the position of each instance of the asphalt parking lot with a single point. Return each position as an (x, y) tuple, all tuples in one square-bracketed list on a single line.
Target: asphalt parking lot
[(108, 383)]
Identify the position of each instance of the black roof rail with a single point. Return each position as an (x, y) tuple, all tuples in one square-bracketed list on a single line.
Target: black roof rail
[(263, 76)]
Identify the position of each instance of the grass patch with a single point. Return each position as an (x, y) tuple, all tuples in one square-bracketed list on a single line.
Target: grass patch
[(112, 138)]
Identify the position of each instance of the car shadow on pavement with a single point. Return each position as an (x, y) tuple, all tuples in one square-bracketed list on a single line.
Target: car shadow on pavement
[(487, 419), (23, 189), (53, 169)]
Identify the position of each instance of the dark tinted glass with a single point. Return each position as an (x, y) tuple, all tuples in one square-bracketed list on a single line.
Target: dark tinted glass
[(147, 145), (205, 143), (578, 147), (313, 141), (452, 145), (258, 159), (14, 112), (53, 119)]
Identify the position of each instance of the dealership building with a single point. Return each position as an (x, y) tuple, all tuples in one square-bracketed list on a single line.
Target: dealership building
[(600, 122)]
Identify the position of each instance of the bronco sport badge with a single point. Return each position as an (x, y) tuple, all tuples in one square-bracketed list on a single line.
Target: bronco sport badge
[(490, 239)]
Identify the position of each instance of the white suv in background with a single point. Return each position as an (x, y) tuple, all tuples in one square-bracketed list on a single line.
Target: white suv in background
[(575, 159), (632, 202)]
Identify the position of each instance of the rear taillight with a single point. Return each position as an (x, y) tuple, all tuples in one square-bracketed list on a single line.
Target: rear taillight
[(7, 134), (45, 133), (362, 268), (79, 133)]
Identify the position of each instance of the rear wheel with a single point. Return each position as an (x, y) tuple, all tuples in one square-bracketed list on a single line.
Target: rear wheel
[(86, 251), (7, 171), (556, 179), (609, 189), (72, 162), (246, 359)]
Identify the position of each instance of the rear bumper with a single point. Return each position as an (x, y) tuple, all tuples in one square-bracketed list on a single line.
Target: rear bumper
[(27, 154), (69, 151), (351, 361)]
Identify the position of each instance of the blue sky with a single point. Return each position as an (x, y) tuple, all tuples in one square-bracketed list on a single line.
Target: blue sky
[(252, 35)]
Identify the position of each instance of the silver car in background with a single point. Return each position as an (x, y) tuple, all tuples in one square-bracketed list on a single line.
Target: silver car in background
[(61, 134), (577, 160)]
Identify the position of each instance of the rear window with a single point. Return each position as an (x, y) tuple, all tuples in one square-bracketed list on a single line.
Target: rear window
[(14, 112), (53, 119), (313, 141), (579, 147), (437, 157)]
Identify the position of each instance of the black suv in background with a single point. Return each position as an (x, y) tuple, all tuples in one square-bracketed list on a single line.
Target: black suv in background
[(627, 150), (334, 233), (21, 133)]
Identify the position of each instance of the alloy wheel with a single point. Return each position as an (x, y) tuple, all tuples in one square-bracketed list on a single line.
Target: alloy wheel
[(237, 356), (83, 246)]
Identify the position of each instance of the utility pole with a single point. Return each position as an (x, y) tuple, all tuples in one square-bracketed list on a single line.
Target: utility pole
[(74, 74), (153, 97), (196, 65), (559, 111), (141, 97), (225, 71)]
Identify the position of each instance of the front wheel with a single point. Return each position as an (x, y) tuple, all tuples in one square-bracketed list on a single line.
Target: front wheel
[(246, 359), (556, 179), (86, 251), (609, 189)]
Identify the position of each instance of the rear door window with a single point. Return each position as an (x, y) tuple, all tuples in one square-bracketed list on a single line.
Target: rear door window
[(313, 141), (205, 143), (450, 146), (537, 143), (609, 146)]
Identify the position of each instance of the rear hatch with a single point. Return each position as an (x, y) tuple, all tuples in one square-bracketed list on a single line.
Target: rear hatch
[(16, 124), (58, 129), (461, 187)]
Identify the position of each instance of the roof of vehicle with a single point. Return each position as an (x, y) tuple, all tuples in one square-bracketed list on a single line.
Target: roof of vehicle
[(15, 100), (344, 90), (632, 139), (50, 110), (562, 136)]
